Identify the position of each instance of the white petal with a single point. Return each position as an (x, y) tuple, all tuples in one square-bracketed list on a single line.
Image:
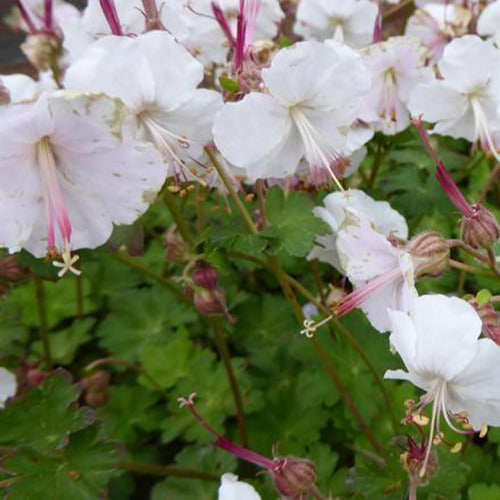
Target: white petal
[(447, 332), (232, 489), (437, 101), (365, 254), (20, 87), (489, 20), (246, 132), (476, 389), (467, 63), (8, 385)]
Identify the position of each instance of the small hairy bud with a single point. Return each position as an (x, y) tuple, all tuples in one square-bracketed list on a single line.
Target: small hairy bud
[(4, 94), (210, 302), (294, 477), (95, 399), (430, 254), (10, 270), (490, 319), (176, 248), (42, 50), (206, 277), (35, 377), (482, 229)]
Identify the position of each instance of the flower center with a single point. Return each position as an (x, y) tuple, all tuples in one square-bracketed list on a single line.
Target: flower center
[(389, 96), (322, 158), (54, 205)]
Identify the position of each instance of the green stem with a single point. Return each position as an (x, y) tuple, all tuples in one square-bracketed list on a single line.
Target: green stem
[(377, 163), (166, 470), (490, 182), (232, 191), (42, 318), (354, 344), (345, 332), (176, 213), (79, 297), (322, 355), (223, 349)]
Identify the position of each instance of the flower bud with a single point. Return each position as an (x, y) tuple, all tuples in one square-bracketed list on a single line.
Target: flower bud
[(206, 277), (177, 249), (294, 477), (4, 94), (10, 270), (42, 50), (482, 229), (430, 254), (490, 319), (95, 399), (210, 302), (35, 377)]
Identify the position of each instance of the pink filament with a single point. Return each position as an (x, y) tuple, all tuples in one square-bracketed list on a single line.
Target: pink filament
[(110, 13)]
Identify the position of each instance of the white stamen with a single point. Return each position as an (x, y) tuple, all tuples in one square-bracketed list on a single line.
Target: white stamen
[(318, 152), (482, 129)]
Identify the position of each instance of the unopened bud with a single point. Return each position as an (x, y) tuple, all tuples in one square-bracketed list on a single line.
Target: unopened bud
[(482, 229), (42, 50), (10, 270), (95, 399), (430, 254), (490, 319), (206, 277), (176, 248), (210, 302), (4, 94), (294, 477), (35, 377)]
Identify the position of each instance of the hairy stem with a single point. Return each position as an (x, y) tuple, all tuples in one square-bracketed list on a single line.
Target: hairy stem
[(42, 318), (223, 349), (176, 213)]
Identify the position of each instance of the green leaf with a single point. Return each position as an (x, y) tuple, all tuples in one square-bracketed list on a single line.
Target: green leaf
[(484, 492), (43, 418), (80, 470), (293, 223), (139, 318)]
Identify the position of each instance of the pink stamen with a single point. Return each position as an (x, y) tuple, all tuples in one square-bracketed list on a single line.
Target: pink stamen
[(49, 15), (252, 12), (225, 444), (221, 19), (444, 177), (26, 17), (356, 298), (377, 32), (110, 13), (240, 37)]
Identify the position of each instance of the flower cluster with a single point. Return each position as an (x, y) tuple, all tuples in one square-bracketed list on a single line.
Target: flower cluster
[(139, 97)]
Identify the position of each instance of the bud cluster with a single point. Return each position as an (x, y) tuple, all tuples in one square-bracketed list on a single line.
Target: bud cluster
[(95, 389)]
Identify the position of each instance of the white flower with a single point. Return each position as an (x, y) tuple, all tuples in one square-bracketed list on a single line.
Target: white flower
[(8, 386), (81, 32), (464, 104), (308, 110), (232, 489), (396, 67), (206, 39), (438, 343), (348, 21), (436, 25), (161, 90), (382, 274), (65, 162), (354, 203), (488, 23)]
